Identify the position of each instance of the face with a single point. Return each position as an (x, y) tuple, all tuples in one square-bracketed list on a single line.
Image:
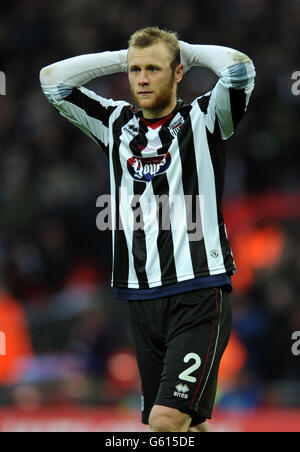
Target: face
[(152, 82)]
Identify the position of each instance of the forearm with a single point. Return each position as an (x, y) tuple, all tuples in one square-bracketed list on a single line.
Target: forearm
[(233, 67), (77, 71)]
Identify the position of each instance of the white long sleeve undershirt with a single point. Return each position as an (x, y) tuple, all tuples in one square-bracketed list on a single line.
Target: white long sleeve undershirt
[(77, 71)]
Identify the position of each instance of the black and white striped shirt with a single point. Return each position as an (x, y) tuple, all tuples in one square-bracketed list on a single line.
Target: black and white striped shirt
[(178, 158)]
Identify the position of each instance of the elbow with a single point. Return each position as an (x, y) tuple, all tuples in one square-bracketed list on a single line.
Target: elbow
[(241, 61), (239, 57), (46, 75)]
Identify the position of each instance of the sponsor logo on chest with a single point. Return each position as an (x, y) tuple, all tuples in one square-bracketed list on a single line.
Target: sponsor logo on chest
[(145, 168)]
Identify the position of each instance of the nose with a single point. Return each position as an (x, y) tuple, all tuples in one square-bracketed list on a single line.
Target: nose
[(143, 79)]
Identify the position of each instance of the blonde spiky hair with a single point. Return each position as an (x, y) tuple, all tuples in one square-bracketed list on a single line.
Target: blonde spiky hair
[(148, 36)]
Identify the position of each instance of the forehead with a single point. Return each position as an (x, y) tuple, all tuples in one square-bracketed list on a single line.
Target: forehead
[(156, 53)]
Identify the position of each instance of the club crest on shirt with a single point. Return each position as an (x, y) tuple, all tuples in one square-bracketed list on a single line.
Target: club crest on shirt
[(175, 126), (145, 168)]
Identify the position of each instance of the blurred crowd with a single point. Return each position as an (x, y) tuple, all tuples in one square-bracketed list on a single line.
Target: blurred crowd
[(68, 333)]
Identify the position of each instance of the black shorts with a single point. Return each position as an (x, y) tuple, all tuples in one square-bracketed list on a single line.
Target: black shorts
[(179, 341)]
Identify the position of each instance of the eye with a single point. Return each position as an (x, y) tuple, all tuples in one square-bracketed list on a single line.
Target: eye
[(134, 69)]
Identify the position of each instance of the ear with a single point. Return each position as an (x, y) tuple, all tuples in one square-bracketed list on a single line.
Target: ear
[(179, 73)]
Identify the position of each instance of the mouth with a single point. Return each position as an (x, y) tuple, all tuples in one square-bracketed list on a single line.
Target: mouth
[(144, 93)]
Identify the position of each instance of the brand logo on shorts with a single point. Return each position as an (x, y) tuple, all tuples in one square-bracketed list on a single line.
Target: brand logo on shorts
[(181, 391)]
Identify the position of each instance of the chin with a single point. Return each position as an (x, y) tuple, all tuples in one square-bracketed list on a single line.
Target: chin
[(154, 105), (147, 104)]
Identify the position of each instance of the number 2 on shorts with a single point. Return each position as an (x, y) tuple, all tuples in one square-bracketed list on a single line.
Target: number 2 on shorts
[(186, 374)]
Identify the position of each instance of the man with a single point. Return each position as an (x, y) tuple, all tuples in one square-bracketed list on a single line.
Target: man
[(176, 278)]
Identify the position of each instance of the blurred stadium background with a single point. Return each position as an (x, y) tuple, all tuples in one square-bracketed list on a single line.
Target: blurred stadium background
[(69, 364)]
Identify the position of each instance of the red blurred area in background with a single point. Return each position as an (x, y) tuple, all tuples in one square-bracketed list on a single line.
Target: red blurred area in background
[(18, 341), (122, 370), (232, 361), (256, 248)]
